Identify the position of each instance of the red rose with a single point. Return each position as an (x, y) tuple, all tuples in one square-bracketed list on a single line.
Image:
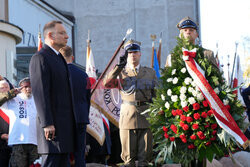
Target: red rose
[(185, 127), (196, 106), (204, 114), (201, 135), (193, 137), (189, 119), (196, 116), (208, 143), (165, 129), (228, 107), (207, 125), (210, 112), (205, 103), (181, 124), (182, 136), (184, 140), (186, 109), (195, 126), (174, 113), (179, 111), (214, 126), (214, 132), (166, 135), (191, 146), (172, 138), (213, 138), (174, 128), (183, 118)]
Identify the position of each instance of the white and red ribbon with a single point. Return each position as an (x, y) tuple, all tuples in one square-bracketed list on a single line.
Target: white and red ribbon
[(222, 115)]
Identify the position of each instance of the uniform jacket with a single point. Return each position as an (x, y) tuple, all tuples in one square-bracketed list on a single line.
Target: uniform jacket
[(210, 56), (51, 89), (81, 93), (143, 84)]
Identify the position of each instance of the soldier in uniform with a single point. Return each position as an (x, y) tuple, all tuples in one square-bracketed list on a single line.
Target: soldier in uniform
[(136, 84), (189, 29)]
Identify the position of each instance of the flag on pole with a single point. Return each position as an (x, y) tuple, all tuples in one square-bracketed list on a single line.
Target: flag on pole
[(236, 75), (40, 43), (108, 100), (95, 128), (156, 65), (159, 51), (153, 37), (217, 56)]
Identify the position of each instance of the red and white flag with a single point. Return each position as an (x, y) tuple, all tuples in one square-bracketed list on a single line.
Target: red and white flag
[(222, 115), (40, 43), (95, 128), (236, 74)]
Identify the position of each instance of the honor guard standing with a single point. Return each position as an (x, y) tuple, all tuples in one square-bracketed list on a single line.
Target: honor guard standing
[(189, 29), (136, 84)]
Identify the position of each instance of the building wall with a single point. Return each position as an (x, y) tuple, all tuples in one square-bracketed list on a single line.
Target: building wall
[(29, 14), (10, 35), (108, 21)]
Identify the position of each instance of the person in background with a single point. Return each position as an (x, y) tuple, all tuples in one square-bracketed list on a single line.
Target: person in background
[(5, 95), (245, 93), (51, 88), (81, 96), (189, 30), (22, 137)]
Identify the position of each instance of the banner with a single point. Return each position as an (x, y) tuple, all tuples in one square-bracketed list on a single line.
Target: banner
[(95, 127), (108, 101), (223, 117)]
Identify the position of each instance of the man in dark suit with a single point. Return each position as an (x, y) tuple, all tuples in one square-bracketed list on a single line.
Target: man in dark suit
[(81, 92), (51, 88)]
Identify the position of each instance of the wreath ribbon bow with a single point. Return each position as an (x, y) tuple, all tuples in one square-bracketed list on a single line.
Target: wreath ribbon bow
[(188, 53)]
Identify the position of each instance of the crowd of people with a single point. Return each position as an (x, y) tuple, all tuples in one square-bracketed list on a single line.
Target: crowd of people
[(47, 114)]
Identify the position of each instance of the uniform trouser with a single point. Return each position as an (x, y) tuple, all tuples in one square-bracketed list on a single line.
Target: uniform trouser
[(136, 144), (23, 155)]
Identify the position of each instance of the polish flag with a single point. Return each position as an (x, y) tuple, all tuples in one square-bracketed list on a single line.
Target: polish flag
[(40, 43), (90, 65), (96, 127)]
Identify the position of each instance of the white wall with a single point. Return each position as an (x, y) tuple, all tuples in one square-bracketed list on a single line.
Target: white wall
[(28, 14)]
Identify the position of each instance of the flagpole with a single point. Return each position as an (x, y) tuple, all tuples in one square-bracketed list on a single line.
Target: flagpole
[(228, 64), (153, 37), (236, 45), (88, 44), (113, 57), (159, 51), (39, 44)]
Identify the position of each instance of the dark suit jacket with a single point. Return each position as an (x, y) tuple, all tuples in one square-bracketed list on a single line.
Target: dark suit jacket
[(51, 88), (81, 93)]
